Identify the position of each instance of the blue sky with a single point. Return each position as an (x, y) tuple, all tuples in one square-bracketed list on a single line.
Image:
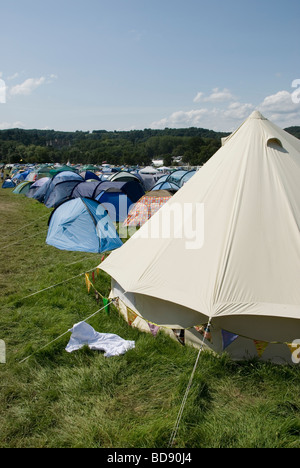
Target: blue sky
[(135, 64)]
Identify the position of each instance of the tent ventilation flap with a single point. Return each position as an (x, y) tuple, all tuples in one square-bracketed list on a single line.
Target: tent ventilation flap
[(273, 142)]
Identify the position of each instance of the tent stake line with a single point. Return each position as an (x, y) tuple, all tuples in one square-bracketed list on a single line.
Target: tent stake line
[(22, 240), (68, 331), (177, 423), (55, 285), (46, 289), (23, 227)]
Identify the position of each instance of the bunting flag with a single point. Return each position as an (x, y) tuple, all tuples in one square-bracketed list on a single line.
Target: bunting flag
[(228, 338), (105, 302), (131, 316), (153, 328), (93, 276), (97, 297), (180, 335), (87, 282), (295, 351), (260, 347), (204, 331), (98, 271)]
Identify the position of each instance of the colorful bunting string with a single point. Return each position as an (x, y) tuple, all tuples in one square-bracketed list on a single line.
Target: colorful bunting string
[(131, 316), (153, 328), (180, 335), (204, 330), (88, 282), (105, 303), (98, 295), (228, 337), (260, 347), (295, 351)]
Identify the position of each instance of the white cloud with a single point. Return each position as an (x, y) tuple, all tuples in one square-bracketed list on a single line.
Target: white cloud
[(216, 96), (280, 102), (7, 125), (51, 78), (27, 87), (198, 97), (13, 77), (223, 112), (192, 118), (236, 110), (220, 95), (281, 109)]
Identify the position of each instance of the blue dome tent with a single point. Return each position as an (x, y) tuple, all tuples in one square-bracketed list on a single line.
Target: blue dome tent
[(82, 225), (165, 185), (61, 192), (60, 177), (118, 197), (36, 186), (44, 192), (8, 183), (89, 175), (86, 189)]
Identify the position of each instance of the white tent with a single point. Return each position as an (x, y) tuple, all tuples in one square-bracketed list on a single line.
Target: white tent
[(243, 276), (149, 170)]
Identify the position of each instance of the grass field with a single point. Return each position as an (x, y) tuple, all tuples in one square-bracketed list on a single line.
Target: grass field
[(56, 399)]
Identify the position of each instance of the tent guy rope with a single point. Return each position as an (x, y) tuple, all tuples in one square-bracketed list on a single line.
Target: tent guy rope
[(24, 239), (57, 284), (180, 413), (46, 289), (63, 334), (23, 227)]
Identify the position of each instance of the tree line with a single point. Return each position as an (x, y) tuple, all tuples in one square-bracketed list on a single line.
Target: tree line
[(135, 147)]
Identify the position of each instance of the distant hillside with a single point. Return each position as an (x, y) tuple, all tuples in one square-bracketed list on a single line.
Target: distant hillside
[(194, 145), (294, 131)]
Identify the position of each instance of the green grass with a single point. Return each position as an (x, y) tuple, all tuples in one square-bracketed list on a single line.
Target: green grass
[(56, 399)]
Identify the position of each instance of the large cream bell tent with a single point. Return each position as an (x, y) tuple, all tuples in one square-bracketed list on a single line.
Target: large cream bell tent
[(243, 279)]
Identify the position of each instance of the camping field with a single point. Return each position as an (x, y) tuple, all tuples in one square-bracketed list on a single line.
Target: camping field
[(82, 399)]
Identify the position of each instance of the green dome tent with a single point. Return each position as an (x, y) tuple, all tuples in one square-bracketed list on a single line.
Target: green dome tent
[(23, 188), (90, 167), (56, 170)]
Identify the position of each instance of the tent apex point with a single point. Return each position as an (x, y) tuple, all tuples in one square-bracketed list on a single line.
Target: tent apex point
[(257, 115)]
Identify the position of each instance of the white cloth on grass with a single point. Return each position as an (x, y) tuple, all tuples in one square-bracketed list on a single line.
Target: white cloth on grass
[(83, 334)]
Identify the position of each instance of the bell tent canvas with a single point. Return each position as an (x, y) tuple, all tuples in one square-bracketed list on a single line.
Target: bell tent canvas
[(243, 279)]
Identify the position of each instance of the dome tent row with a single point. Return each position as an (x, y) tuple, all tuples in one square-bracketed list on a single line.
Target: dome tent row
[(69, 234)]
